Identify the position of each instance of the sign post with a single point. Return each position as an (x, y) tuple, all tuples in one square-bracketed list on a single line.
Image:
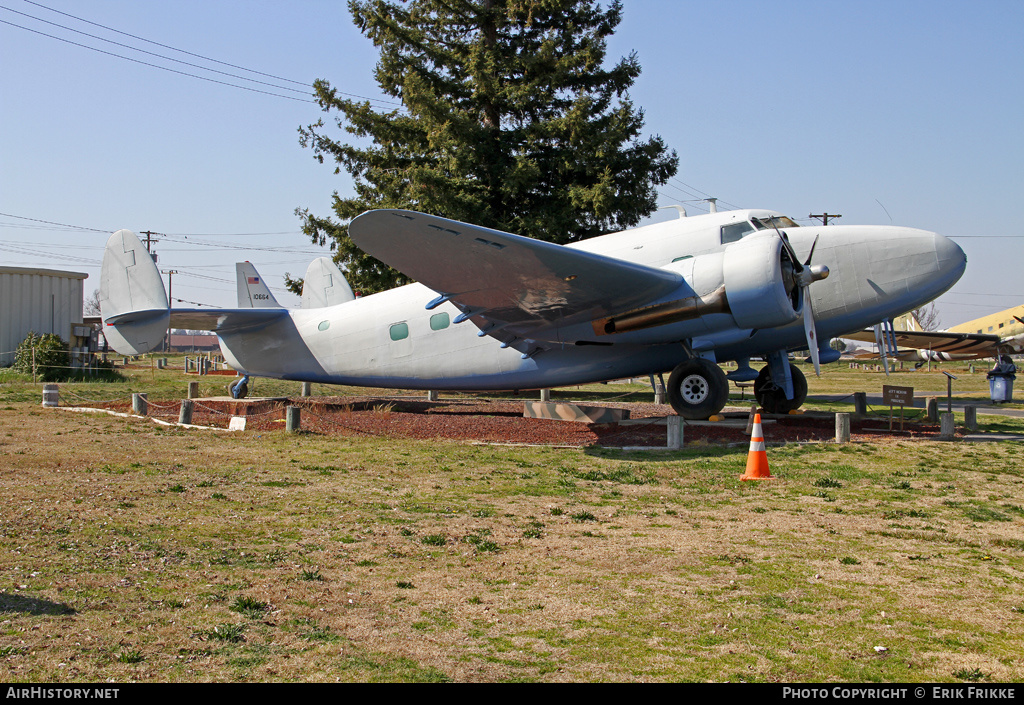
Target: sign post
[(949, 391), (897, 396)]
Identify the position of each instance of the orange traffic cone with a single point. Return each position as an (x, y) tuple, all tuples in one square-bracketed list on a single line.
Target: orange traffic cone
[(757, 459)]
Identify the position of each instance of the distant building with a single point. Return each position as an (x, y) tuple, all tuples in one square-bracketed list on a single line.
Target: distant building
[(43, 301), (198, 342)]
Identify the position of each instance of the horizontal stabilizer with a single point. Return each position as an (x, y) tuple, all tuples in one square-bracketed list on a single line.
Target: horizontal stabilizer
[(133, 302), (325, 285), (253, 292), (226, 320)]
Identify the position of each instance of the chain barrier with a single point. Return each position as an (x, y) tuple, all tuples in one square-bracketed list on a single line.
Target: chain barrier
[(161, 406), (197, 405), (62, 391)]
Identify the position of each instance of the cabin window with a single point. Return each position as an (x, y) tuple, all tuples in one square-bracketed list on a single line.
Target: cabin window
[(735, 231), (680, 259), (399, 331), (324, 325), (439, 321)]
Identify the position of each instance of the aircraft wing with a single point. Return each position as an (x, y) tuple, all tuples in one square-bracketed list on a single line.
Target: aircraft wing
[(510, 286), (977, 344)]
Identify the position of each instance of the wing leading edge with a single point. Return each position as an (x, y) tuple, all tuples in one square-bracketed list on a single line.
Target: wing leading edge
[(512, 287)]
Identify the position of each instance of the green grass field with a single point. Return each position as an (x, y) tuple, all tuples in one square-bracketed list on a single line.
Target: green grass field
[(137, 552)]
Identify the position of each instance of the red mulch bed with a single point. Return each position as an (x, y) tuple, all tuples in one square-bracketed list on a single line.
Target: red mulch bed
[(502, 421)]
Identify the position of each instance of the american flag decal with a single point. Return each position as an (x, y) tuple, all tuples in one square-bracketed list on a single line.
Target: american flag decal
[(254, 280)]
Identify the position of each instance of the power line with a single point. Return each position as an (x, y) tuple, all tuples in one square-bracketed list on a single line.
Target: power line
[(159, 56), (157, 66), (164, 46), (50, 222), (305, 84), (701, 194)]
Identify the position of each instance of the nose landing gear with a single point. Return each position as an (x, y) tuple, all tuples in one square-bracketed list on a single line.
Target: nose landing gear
[(772, 397)]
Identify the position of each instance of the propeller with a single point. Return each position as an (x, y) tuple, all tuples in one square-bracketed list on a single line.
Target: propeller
[(803, 275)]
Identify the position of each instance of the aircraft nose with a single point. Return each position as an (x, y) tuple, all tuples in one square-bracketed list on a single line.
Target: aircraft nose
[(909, 267), (949, 255), (950, 259)]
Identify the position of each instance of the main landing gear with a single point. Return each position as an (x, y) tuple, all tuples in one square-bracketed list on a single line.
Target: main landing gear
[(697, 389), (772, 397)]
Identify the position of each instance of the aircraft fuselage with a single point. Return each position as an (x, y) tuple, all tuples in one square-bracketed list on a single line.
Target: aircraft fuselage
[(391, 340)]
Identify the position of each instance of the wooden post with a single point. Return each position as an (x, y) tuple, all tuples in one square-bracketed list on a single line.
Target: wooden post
[(545, 395), (432, 395), (185, 414), (860, 403), (948, 428), (971, 417), (750, 419), (292, 419), (51, 395), (675, 432), (933, 409), (193, 390), (842, 428), (139, 405), (307, 389), (659, 393)]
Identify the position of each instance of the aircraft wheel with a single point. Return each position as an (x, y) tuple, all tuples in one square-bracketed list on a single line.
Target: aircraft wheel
[(772, 398), (697, 389), (239, 390)]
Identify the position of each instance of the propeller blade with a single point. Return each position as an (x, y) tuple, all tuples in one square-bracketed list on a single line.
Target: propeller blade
[(812, 334), (811, 253), (797, 267)]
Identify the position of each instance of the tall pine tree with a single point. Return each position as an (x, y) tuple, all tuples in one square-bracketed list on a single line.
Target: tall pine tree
[(510, 120)]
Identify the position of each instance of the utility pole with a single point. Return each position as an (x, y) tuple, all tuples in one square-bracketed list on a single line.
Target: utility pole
[(149, 241), (824, 217), (170, 304)]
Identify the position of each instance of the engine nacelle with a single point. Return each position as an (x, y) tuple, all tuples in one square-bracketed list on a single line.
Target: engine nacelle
[(754, 272), (752, 280)]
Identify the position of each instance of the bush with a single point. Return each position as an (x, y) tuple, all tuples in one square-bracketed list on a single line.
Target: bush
[(51, 361)]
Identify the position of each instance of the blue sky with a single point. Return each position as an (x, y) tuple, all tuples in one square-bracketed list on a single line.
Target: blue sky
[(906, 112)]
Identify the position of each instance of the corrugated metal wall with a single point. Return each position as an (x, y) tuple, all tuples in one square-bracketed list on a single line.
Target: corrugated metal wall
[(40, 300)]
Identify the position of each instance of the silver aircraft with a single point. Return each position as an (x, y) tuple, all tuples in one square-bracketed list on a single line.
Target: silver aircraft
[(496, 311)]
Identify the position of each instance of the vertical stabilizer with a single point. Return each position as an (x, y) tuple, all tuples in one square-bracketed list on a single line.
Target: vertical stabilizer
[(133, 302), (325, 285), (253, 292), (907, 322)]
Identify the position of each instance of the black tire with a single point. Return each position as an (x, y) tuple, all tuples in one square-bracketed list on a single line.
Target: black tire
[(772, 398), (697, 389), (238, 390)]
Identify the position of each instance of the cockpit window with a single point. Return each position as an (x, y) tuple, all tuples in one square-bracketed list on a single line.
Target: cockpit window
[(775, 221), (735, 231)]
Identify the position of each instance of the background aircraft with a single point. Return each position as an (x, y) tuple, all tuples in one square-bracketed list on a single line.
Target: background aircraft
[(496, 311), (996, 335)]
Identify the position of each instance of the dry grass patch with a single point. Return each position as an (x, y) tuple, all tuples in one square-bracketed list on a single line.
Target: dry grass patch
[(136, 553)]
